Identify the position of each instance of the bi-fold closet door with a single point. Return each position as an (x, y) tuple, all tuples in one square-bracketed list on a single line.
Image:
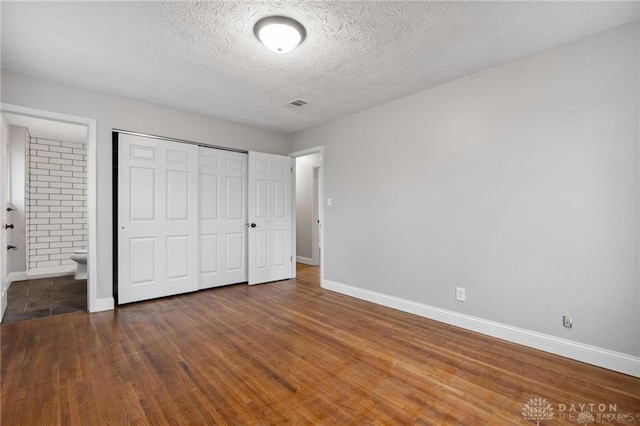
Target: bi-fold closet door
[(182, 218)]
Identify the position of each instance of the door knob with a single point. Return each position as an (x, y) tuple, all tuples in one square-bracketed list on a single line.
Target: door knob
[(253, 225), (8, 226)]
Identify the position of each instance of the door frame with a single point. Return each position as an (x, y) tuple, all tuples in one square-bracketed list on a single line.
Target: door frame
[(315, 150), (92, 181)]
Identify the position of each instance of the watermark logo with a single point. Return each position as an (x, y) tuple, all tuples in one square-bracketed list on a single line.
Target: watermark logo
[(583, 413), (537, 409)]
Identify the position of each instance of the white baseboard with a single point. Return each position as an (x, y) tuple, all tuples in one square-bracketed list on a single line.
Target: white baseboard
[(600, 357), (16, 276), (305, 260), (104, 304), (55, 271)]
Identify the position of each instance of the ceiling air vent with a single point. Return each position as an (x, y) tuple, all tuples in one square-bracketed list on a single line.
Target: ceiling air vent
[(298, 103)]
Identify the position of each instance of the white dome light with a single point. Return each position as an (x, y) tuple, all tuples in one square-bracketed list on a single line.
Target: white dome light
[(279, 33)]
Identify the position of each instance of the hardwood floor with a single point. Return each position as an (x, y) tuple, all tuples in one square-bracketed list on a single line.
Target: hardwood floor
[(284, 353)]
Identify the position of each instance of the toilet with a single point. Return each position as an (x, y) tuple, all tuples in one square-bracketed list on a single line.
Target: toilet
[(80, 257)]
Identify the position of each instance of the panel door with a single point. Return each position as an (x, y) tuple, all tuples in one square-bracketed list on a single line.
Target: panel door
[(157, 218), (270, 222), (223, 213)]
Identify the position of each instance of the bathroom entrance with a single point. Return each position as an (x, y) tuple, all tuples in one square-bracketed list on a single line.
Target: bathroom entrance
[(46, 217)]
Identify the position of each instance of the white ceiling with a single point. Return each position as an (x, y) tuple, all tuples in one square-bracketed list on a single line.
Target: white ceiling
[(203, 56), (48, 129)]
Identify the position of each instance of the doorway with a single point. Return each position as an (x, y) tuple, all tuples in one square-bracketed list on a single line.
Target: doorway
[(308, 240), (37, 203)]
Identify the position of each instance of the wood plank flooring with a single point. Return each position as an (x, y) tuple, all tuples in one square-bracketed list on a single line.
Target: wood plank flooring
[(284, 353)]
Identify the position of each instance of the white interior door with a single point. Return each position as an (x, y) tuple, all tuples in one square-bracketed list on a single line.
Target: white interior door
[(157, 218), (270, 222), (4, 191), (223, 213)]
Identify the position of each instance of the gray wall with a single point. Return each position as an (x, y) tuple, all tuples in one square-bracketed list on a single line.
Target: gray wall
[(122, 113), (304, 204), (519, 183), (18, 138)]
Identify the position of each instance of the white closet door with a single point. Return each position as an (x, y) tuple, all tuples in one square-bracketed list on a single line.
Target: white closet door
[(223, 213), (270, 222), (157, 218)]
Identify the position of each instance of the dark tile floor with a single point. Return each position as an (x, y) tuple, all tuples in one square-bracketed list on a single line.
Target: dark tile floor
[(44, 297)]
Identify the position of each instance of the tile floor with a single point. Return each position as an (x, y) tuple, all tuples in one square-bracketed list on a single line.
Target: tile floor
[(45, 297)]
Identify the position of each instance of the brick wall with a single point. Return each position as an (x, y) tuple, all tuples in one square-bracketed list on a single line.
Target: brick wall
[(57, 203)]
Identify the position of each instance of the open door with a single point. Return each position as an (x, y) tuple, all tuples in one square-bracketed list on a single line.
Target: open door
[(4, 191), (269, 218)]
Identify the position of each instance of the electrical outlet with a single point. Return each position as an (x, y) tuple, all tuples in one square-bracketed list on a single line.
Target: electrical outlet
[(460, 294), (567, 321)]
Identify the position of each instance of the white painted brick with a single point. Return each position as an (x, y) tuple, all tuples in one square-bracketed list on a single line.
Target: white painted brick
[(71, 226), (53, 239), (46, 191), (38, 198), (47, 166), (47, 142), (71, 238), (72, 157), (61, 161), (61, 149), (39, 172), (61, 197), (80, 151), (80, 197), (62, 244), (62, 173), (48, 251), (61, 233), (49, 178), (59, 256), (46, 215), (73, 191), (73, 180), (39, 221), (46, 153), (38, 258), (61, 185), (61, 209), (82, 186), (71, 144), (74, 214), (50, 202), (39, 233), (81, 231), (72, 203), (48, 227), (36, 246), (80, 175), (62, 220), (36, 159)]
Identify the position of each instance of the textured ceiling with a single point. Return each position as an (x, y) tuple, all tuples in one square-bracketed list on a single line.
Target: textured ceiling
[(203, 56)]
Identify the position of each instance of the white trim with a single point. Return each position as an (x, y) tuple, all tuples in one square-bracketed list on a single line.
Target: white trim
[(92, 189), (600, 357), (50, 272), (16, 276), (317, 149), (103, 304), (305, 260)]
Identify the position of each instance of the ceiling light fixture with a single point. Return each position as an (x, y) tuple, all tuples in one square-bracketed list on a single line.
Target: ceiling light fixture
[(279, 33)]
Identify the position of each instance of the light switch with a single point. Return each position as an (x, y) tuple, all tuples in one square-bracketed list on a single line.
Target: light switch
[(329, 202)]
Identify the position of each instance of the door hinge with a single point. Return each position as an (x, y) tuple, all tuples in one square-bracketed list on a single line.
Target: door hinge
[(291, 258), (292, 170)]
